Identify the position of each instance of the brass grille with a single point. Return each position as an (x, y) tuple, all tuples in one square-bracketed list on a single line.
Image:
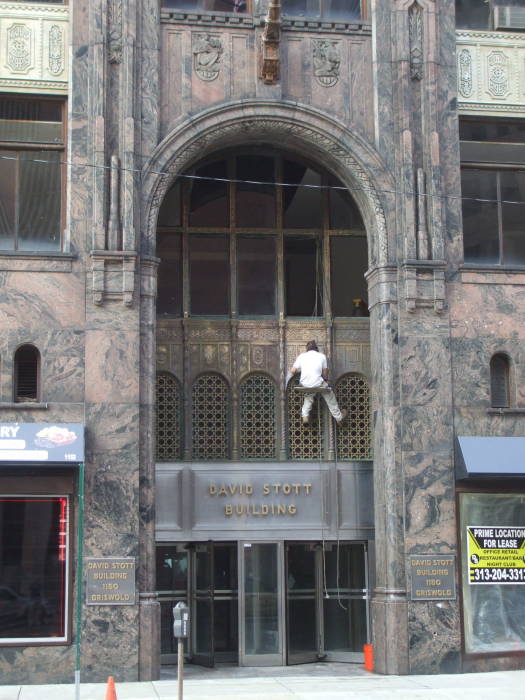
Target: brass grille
[(305, 442), (211, 417), (354, 436), (169, 418), (257, 424)]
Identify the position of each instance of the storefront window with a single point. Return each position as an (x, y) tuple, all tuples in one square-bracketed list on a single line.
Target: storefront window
[(33, 568), (493, 571)]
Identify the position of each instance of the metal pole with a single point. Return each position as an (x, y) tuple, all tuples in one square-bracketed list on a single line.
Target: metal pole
[(80, 549), (180, 666)]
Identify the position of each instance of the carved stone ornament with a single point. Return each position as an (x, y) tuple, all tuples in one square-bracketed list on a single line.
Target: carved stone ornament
[(115, 31), (326, 62), (207, 51), (56, 50), (270, 52), (415, 30), (19, 38), (498, 73), (465, 73)]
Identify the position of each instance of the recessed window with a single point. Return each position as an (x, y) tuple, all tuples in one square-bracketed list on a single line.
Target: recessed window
[(499, 381), (327, 9), (27, 374), (31, 174), (207, 5), (248, 240), (33, 561)]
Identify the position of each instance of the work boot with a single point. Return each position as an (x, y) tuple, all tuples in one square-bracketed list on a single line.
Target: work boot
[(344, 413), (306, 420)]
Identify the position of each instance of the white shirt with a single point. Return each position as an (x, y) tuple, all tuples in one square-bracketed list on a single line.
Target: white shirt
[(311, 365)]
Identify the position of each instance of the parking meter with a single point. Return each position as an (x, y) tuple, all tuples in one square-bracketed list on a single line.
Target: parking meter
[(181, 620)]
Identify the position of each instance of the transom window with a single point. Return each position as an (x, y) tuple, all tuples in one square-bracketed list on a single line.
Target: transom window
[(326, 9), (251, 247), (493, 191), (31, 173)]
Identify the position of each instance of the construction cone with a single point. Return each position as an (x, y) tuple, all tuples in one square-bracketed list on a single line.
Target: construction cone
[(111, 693)]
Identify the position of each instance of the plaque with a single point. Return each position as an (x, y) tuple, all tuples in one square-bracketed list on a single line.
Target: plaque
[(433, 576), (110, 580)]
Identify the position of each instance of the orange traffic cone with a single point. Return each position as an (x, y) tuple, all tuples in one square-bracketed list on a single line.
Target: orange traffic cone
[(111, 693)]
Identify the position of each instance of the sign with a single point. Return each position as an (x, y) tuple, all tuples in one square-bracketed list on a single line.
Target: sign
[(496, 554), (41, 442), (110, 580), (433, 576)]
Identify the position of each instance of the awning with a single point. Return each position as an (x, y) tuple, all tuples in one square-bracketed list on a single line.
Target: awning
[(489, 456)]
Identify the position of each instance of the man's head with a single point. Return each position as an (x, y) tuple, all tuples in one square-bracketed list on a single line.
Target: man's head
[(311, 345)]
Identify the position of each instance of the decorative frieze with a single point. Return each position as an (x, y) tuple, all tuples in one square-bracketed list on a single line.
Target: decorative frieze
[(34, 39), (490, 72)]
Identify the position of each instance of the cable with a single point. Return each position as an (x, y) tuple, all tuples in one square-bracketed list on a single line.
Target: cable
[(341, 188)]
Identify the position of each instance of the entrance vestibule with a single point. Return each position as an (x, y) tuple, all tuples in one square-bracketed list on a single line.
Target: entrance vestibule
[(266, 603)]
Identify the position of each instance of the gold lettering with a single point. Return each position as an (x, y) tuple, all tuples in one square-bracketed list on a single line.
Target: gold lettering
[(228, 510), (281, 509), (266, 489), (292, 509), (308, 488), (264, 509), (212, 490)]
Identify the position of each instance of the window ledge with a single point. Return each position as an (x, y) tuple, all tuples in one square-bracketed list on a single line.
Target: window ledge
[(23, 406), (13, 261), (506, 411), (491, 274), (198, 16)]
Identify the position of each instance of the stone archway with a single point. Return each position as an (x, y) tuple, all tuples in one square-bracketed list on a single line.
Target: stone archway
[(303, 130)]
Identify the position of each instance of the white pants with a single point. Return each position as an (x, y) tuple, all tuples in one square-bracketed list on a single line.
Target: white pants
[(330, 399)]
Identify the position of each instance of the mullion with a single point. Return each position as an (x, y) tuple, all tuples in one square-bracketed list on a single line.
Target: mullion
[(500, 216), (17, 201)]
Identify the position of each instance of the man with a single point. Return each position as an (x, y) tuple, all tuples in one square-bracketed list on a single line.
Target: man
[(314, 373)]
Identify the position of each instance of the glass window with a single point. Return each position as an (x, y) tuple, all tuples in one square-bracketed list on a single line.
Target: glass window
[(303, 271), (328, 9), (33, 562), (170, 211), (493, 229), (207, 5), (302, 205), (256, 266), (472, 14), (31, 177), (493, 610), (255, 203), (349, 260), (343, 211), (261, 598), (169, 280), (210, 418), (480, 215), (209, 198), (209, 275)]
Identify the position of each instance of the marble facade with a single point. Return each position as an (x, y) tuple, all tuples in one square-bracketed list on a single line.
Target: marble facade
[(140, 111)]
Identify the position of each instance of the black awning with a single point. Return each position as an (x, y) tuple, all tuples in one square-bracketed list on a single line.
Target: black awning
[(489, 456)]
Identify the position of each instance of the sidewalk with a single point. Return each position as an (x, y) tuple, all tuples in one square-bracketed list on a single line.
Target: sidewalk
[(298, 685)]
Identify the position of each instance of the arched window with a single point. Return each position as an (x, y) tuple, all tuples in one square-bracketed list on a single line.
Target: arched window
[(354, 436), (257, 417), (305, 441), (27, 374), (211, 417), (499, 381), (169, 418)]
